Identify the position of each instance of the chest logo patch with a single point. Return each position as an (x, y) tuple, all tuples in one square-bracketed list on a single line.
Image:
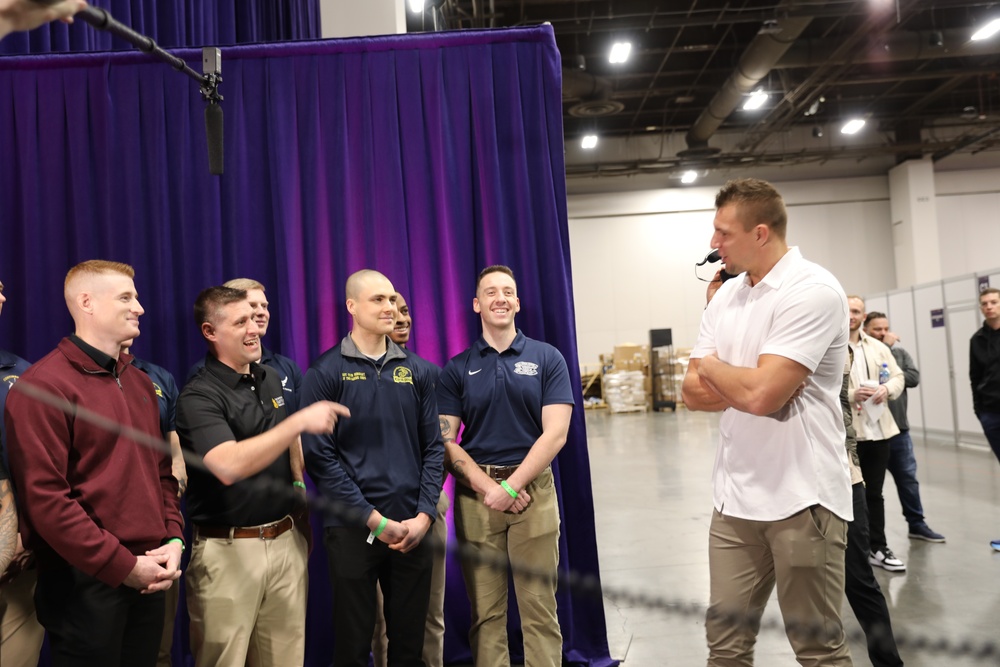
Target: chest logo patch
[(10, 380), (353, 377), (278, 402), (158, 390), (402, 375), (526, 368)]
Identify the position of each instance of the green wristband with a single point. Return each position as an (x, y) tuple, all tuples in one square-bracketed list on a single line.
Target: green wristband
[(178, 541), (509, 489), (301, 485), (381, 526)]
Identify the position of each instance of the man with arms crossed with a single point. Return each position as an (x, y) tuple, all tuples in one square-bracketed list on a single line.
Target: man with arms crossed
[(514, 396), (984, 372), (73, 478), (384, 464), (771, 354), (247, 580)]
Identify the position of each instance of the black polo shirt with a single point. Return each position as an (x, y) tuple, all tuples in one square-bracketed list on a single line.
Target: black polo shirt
[(219, 405)]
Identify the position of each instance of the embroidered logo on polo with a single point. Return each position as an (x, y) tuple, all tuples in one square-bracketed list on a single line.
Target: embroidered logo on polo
[(10, 380), (284, 385), (402, 375), (158, 390), (474, 372), (278, 401), (526, 368), (353, 377)]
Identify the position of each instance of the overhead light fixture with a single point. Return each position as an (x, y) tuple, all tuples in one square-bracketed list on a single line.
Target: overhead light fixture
[(589, 141), (689, 177), (756, 100), (987, 31), (416, 6), (620, 52), (852, 126)]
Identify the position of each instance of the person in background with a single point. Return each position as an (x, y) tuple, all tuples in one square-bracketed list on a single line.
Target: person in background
[(434, 629), (984, 372), (902, 464), (20, 633)]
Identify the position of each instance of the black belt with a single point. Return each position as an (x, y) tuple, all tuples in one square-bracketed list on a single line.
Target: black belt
[(268, 531)]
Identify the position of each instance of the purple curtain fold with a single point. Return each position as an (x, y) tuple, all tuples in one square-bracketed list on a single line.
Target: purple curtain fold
[(425, 157), (178, 23)]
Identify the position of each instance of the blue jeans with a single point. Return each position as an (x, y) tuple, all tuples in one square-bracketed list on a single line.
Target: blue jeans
[(991, 427), (903, 467)]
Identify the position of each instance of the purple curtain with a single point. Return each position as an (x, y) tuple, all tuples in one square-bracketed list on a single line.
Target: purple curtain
[(177, 23), (425, 157)]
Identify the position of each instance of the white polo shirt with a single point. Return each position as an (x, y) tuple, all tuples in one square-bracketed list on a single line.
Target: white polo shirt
[(769, 468)]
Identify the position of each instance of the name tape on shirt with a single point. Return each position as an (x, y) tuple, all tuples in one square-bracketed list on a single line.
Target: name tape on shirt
[(353, 377)]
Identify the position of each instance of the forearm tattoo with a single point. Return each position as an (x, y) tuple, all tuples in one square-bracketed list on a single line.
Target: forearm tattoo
[(8, 524), (457, 468)]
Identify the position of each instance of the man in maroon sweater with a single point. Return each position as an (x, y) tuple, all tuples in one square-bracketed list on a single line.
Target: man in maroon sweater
[(100, 510)]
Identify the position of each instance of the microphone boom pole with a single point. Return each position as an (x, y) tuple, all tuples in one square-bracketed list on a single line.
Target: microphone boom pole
[(208, 83)]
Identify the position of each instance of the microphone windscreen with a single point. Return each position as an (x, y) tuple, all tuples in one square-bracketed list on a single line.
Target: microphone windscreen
[(213, 132)]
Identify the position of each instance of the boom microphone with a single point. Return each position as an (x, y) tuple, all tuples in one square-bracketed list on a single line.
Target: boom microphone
[(213, 132)]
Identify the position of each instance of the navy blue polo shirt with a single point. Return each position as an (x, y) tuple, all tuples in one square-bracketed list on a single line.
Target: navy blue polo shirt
[(11, 368), (166, 393), (499, 396), (288, 372)]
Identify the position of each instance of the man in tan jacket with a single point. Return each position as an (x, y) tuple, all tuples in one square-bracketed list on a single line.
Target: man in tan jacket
[(874, 424)]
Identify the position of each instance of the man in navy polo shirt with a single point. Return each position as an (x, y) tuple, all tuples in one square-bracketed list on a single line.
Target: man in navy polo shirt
[(21, 634), (514, 396), (288, 371), (384, 464)]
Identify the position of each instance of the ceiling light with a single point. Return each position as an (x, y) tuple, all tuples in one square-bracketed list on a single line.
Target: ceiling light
[(619, 52), (987, 30), (852, 126), (589, 141), (416, 6), (756, 100), (689, 177)]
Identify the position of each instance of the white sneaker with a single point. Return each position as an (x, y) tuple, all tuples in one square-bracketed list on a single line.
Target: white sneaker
[(886, 560)]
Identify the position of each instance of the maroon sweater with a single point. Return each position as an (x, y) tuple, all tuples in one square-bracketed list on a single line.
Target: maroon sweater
[(89, 497)]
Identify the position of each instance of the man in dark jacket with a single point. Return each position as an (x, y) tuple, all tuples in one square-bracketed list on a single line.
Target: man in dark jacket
[(984, 372)]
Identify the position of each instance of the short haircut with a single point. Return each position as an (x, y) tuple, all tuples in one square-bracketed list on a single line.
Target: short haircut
[(97, 267), (92, 267), (874, 315), (495, 268), (212, 300), (354, 281), (758, 202), (245, 284), (855, 296), (988, 290)]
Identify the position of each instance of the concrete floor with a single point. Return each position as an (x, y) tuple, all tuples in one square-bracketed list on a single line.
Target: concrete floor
[(652, 493)]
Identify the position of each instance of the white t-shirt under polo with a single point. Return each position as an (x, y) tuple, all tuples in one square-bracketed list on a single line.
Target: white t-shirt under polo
[(769, 468)]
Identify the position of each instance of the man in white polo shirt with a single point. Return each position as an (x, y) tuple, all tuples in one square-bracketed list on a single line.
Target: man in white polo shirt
[(771, 354)]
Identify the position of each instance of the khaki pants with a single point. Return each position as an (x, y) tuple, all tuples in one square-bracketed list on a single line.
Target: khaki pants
[(247, 600), (21, 634), (804, 556), (529, 540), (434, 630)]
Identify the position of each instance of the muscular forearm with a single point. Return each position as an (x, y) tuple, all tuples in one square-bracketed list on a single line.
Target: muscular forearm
[(555, 428), (697, 395), (234, 461), (464, 469)]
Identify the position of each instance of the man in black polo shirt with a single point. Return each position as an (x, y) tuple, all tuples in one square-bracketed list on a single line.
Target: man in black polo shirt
[(247, 579), (514, 396)]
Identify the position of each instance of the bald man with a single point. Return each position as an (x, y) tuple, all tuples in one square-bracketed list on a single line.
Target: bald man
[(384, 464), (102, 570)]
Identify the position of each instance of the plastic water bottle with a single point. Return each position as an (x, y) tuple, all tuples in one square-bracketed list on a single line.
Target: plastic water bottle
[(883, 374)]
